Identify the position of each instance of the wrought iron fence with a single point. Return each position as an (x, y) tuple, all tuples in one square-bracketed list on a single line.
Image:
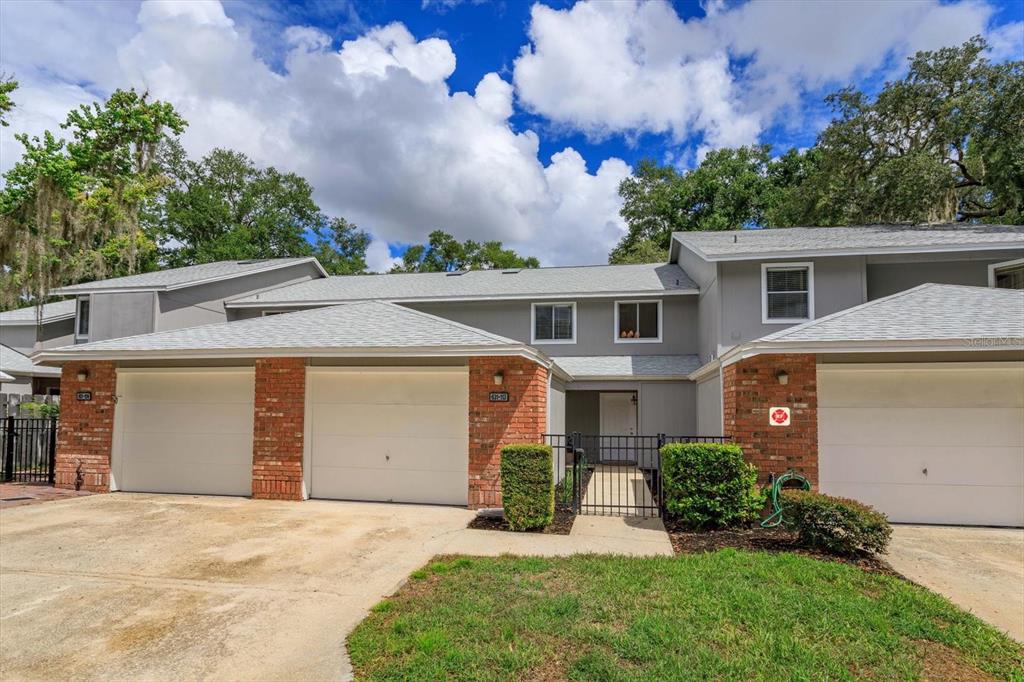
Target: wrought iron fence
[(613, 475), (27, 450)]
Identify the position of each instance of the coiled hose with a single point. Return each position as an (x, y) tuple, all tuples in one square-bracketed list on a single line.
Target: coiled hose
[(775, 518)]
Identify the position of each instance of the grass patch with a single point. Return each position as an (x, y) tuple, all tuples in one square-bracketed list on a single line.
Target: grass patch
[(723, 615)]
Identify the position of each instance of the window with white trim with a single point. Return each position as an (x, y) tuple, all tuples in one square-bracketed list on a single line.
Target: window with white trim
[(1008, 275), (82, 318), (554, 323), (787, 292), (637, 321)]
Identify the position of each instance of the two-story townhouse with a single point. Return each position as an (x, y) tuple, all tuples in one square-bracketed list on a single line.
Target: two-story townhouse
[(405, 387), (136, 304)]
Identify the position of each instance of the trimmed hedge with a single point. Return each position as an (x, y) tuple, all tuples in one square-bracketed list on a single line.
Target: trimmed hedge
[(527, 486), (709, 485), (835, 524)]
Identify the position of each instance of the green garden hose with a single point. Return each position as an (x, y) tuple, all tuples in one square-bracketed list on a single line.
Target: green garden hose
[(776, 516)]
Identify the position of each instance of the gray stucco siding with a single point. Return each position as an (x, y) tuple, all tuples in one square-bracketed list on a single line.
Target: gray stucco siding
[(709, 406), (595, 320), (204, 304), (21, 338), (886, 278), (114, 315), (57, 334), (667, 407), (839, 283)]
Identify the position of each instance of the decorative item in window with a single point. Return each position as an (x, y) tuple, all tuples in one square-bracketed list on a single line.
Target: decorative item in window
[(638, 320)]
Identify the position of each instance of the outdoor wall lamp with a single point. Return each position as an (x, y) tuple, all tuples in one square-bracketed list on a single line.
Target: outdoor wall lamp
[(499, 378), (782, 377), (83, 374)]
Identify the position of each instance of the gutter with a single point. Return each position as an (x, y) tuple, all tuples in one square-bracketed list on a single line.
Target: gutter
[(313, 303)]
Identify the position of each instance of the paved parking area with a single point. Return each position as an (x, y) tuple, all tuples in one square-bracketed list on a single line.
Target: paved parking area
[(21, 494), (162, 587), (979, 569)]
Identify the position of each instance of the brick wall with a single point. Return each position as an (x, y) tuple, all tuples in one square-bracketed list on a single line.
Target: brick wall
[(86, 427), (749, 388), (278, 428), (522, 419)]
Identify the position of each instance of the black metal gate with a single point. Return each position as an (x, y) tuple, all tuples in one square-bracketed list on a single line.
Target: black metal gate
[(613, 475), (28, 449)]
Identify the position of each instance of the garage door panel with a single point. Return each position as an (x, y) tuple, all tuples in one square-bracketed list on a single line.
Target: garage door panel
[(414, 388), (187, 387), (173, 418), (426, 421), (447, 454), (949, 504), (381, 485), (879, 427), (979, 465), (921, 388), (389, 435), (921, 426), (185, 432)]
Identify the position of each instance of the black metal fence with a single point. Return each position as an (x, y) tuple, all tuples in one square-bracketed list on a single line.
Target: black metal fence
[(28, 449), (613, 475)]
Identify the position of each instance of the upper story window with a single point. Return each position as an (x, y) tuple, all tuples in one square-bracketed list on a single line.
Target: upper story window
[(1008, 275), (637, 321), (787, 292), (82, 318), (554, 323)]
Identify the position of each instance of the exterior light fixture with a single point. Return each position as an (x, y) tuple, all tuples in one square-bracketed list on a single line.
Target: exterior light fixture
[(632, 399), (499, 378), (782, 376), (83, 374)]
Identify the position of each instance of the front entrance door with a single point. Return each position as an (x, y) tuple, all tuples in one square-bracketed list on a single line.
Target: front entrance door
[(618, 418)]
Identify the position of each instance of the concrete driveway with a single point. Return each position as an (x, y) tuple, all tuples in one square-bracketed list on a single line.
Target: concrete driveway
[(160, 587), (979, 569)]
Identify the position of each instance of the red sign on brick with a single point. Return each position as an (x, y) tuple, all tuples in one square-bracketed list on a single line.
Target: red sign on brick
[(778, 416)]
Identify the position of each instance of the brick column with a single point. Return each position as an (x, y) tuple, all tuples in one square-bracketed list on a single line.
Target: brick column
[(750, 388), (493, 425), (278, 428), (86, 426)]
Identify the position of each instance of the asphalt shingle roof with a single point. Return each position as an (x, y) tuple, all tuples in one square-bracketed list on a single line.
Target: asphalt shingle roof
[(366, 325), (789, 241), (638, 366), (930, 312), (51, 312), (486, 284), (4, 376), (13, 362), (186, 276)]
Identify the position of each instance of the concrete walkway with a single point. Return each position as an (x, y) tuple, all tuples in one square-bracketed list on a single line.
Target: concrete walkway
[(590, 535), (618, 490), (979, 569)]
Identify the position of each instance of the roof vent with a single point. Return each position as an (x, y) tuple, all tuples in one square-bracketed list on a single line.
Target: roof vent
[(511, 271), (253, 261), (456, 273), (735, 238)]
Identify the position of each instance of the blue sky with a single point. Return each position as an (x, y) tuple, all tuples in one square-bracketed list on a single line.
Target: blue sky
[(491, 120)]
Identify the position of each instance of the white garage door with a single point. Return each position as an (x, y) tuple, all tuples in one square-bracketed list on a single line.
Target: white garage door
[(397, 435), (180, 431), (932, 444)]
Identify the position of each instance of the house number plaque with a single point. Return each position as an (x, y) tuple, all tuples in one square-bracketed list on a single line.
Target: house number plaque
[(499, 397), (83, 395)]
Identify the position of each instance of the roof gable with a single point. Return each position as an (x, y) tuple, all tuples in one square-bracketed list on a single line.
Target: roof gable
[(52, 312)]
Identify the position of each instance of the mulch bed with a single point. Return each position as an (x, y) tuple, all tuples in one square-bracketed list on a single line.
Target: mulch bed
[(687, 541), (560, 526)]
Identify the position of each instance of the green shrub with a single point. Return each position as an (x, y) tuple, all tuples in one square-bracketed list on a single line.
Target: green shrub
[(835, 524), (708, 485), (40, 409), (527, 486)]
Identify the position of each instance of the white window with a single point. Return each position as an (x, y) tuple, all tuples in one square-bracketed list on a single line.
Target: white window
[(787, 292), (82, 318), (637, 321), (1008, 275), (553, 323)]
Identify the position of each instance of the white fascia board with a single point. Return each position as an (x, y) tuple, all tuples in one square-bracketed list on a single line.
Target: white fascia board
[(631, 377), (749, 350), (46, 320), (705, 371), (456, 299), (854, 251), (72, 290)]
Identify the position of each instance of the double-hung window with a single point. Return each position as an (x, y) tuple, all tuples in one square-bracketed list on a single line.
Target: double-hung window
[(637, 321), (554, 323), (1008, 275), (82, 319), (787, 292)]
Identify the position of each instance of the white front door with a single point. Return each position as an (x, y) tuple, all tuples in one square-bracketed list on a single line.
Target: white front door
[(618, 418)]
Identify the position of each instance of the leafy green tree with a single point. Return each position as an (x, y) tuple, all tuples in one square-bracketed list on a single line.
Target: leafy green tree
[(66, 198), (341, 247), (444, 253), (7, 86)]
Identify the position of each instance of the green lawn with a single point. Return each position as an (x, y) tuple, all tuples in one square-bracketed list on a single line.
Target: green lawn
[(724, 615)]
